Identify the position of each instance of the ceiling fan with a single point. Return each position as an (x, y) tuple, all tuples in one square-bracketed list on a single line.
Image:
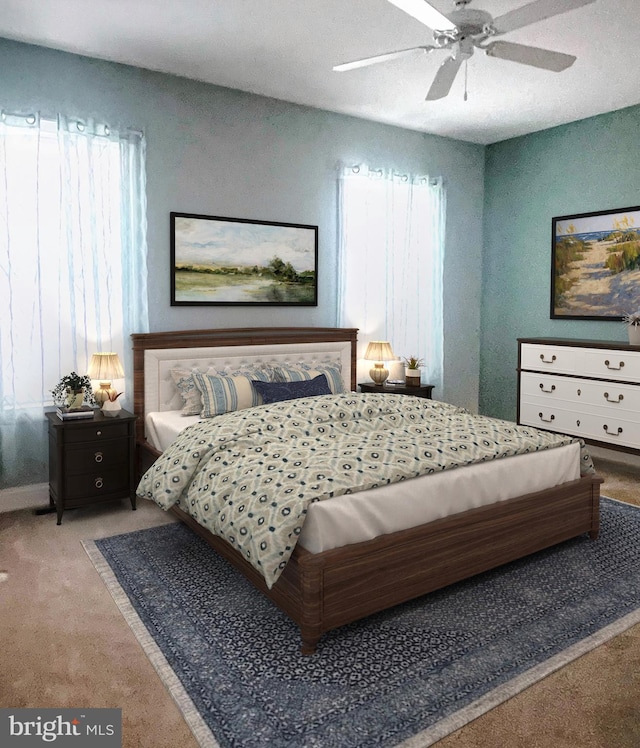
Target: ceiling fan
[(464, 28)]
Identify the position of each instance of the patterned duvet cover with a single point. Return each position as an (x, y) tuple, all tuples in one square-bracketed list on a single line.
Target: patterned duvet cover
[(250, 476)]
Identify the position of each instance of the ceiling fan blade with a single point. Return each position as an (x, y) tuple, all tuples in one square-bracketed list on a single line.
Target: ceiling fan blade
[(424, 12), (379, 58), (539, 58), (444, 78), (533, 12)]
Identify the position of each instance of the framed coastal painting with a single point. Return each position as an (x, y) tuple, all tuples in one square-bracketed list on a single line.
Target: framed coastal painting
[(595, 265), (235, 261)]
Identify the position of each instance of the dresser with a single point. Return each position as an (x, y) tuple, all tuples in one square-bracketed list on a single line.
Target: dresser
[(587, 388), (91, 460)]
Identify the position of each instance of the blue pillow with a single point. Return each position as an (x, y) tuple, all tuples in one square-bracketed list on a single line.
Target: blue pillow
[(275, 392)]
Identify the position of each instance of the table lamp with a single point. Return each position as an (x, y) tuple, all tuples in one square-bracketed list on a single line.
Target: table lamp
[(105, 367), (379, 351)]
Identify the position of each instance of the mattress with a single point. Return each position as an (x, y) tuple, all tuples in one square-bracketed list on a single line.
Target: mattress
[(365, 515)]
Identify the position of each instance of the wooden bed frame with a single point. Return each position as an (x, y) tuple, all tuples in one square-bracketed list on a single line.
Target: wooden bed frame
[(326, 590)]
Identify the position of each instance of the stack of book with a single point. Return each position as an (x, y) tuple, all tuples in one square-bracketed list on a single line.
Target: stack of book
[(86, 411)]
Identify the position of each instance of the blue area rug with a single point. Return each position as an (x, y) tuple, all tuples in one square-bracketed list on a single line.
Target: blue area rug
[(406, 677)]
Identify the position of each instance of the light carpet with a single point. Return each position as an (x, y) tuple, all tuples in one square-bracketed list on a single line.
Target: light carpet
[(402, 678)]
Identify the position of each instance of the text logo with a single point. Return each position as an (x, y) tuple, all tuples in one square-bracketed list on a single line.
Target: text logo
[(64, 728)]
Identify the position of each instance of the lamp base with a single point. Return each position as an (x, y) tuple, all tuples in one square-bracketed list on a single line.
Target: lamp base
[(101, 395), (379, 373)]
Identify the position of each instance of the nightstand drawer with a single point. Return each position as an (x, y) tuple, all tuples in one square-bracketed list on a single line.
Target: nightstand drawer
[(94, 431), (96, 456), (94, 485)]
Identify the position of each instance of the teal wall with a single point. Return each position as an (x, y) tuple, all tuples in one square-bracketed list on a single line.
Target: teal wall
[(585, 166), (222, 152)]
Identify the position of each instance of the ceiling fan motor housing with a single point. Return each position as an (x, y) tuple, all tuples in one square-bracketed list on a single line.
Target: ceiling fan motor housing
[(471, 22)]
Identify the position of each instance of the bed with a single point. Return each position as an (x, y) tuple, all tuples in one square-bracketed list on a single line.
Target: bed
[(331, 579)]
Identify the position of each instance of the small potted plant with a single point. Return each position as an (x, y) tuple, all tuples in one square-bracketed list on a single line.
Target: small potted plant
[(73, 391), (632, 321), (412, 371)]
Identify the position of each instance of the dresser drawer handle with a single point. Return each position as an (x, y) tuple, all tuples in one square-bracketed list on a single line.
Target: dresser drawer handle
[(612, 433), (99, 482), (607, 363), (98, 457), (546, 420), (613, 400), (547, 360), (543, 389), (98, 433)]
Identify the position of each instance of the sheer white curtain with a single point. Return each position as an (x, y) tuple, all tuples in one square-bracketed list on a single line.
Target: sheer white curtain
[(391, 250), (72, 267)]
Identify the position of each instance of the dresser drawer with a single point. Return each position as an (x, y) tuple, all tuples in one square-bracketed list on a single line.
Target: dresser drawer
[(623, 366), (616, 430), (549, 358), (607, 398), (96, 456)]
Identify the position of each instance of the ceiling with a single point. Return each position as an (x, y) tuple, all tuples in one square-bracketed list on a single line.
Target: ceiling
[(286, 49)]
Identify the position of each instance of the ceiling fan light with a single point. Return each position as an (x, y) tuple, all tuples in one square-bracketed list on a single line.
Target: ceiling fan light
[(425, 13)]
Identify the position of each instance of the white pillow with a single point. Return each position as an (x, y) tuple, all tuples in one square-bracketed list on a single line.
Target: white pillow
[(191, 395), (224, 394)]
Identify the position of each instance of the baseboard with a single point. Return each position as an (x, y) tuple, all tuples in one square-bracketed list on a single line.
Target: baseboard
[(614, 455), (24, 497)]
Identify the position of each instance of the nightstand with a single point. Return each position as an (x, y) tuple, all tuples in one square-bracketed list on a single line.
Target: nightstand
[(91, 460), (424, 390)]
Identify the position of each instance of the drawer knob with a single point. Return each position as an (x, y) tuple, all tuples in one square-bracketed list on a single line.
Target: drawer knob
[(543, 389), (607, 363), (98, 433), (612, 399), (547, 360), (98, 457), (99, 482), (612, 433), (546, 420)]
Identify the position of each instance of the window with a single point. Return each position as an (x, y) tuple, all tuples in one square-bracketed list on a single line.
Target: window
[(72, 266), (391, 263)]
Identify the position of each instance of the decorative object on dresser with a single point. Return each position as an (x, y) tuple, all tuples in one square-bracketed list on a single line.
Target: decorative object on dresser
[(379, 351), (593, 256), (632, 322), (412, 372), (242, 262), (104, 367), (90, 461), (421, 390), (588, 388)]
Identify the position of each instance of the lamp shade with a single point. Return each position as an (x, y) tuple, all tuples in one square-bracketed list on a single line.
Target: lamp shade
[(105, 367), (379, 350)]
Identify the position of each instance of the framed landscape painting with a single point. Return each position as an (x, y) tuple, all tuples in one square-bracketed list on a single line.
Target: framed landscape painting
[(237, 261), (595, 266)]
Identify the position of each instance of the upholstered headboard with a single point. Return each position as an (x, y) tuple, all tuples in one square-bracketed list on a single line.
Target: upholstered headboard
[(155, 354)]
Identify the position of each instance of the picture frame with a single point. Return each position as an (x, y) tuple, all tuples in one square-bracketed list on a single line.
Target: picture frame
[(240, 262), (595, 264)]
